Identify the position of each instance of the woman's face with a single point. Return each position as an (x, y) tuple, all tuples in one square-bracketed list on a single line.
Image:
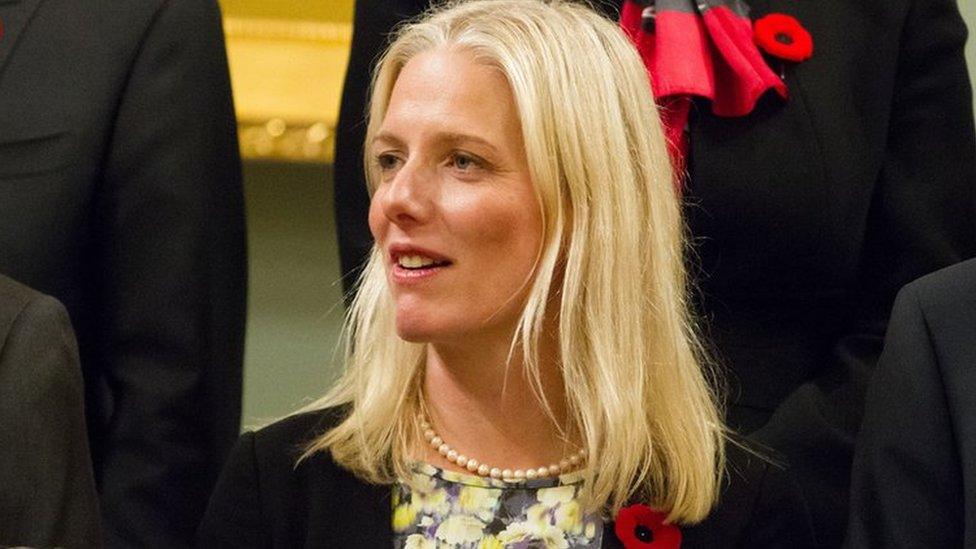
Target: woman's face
[(455, 213)]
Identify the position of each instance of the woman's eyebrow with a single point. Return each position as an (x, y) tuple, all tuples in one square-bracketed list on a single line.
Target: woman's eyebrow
[(387, 137), (448, 137), (456, 138)]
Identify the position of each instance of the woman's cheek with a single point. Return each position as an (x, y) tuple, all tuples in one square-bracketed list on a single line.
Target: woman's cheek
[(376, 219)]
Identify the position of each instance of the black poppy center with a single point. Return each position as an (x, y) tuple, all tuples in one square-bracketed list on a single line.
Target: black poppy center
[(647, 19), (644, 533), (784, 38)]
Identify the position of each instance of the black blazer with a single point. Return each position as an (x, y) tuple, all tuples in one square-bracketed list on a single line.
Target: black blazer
[(48, 494), (914, 482), (264, 500), (806, 216), (120, 195)]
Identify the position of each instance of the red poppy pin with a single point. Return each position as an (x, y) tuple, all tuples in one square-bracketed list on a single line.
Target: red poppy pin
[(783, 36), (640, 527)]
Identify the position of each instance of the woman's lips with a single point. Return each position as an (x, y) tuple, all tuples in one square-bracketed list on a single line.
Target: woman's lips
[(403, 275), (411, 264)]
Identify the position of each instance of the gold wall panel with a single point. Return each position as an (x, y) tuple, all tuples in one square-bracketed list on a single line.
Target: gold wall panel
[(287, 78), (339, 11)]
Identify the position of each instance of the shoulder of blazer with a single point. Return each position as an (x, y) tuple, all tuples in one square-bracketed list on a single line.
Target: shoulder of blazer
[(281, 443), (327, 504), (15, 299), (760, 504), (950, 289)]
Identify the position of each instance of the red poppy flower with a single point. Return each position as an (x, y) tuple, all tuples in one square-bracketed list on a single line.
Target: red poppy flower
[(640, 527), (783, 36)]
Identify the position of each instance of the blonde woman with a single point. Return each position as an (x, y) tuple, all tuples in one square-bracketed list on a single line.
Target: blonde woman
[(522, 369)]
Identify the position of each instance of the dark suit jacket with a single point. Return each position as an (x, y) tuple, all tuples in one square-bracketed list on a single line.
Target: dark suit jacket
[(806, 216), (47, 490), (914, 482), (264, 500), (120, 195)]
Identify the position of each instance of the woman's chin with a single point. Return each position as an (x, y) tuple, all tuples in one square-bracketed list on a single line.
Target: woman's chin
[(416, 330), (413, 336), (427, 332)]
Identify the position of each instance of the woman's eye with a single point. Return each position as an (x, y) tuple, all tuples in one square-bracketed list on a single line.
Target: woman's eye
[(387, 161), (465, 162)]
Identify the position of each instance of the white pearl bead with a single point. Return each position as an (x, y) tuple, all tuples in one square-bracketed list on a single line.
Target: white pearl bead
[(473, 465)]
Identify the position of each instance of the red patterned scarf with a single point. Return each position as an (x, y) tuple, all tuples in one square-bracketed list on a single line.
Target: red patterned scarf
[(700, 48)]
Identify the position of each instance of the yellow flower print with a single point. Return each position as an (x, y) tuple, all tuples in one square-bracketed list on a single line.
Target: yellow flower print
[(460, 529), (539, 533), (480, 502), (403, 517), (569, 517), (556, 495), (490, 542), (537, 514), (418, 541), (427, 498), (590, 530)]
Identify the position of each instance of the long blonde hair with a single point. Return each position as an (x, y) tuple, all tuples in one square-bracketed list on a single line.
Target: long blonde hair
[(636, 384)]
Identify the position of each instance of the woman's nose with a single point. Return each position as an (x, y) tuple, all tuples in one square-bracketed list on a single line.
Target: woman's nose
[(407, 197)]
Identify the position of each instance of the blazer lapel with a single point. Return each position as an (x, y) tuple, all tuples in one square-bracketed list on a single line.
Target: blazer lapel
[(14, 17)]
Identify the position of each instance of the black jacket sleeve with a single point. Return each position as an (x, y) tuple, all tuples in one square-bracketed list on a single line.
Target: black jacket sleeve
[(169, 267)]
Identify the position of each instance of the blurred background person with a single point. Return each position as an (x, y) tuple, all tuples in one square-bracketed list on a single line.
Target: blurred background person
[(809, 211), (48, 497), (120, 195), (915, 471)]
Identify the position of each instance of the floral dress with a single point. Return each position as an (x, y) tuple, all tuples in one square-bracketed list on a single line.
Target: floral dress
[(444, 509)]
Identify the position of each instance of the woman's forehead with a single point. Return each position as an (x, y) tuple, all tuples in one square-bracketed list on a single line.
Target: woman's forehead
[(448, 89)]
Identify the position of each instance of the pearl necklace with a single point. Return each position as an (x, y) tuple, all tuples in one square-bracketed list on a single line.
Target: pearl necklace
[(565, 465)]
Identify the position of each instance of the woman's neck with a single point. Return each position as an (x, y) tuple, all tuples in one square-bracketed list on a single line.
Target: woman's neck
[(488, 411)]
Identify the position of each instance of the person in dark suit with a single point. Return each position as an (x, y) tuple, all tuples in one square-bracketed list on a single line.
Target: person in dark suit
[(807, 215), (120, 195), (518, 378), (914, 469), (48, 497)]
